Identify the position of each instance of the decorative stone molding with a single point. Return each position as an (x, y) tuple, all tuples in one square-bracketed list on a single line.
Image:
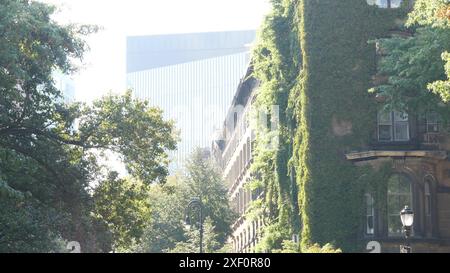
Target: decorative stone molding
[(375, 154)]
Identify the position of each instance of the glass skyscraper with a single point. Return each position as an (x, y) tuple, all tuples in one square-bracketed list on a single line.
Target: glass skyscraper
[(191, 77)]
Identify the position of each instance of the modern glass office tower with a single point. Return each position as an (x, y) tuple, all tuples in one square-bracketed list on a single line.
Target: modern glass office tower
[(191, 77)]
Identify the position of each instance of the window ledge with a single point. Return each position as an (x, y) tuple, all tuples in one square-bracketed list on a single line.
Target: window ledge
[(375, 154)]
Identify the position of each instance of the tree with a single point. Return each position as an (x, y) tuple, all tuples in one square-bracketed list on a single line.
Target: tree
[(129, 127), (419, 64), (191, 245), (124, 206), (31, 47), (442, 88), (166, 226), (168, 204), (435, 13), (47, 164), (204, 180)]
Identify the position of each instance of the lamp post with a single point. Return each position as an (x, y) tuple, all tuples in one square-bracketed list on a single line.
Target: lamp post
[(196, 205), (407, 217)]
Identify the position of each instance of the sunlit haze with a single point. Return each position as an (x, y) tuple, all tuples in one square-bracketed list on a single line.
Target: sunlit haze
[(104, 66)]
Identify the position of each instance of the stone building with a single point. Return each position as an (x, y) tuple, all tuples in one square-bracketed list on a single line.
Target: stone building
[(408, 151), (415, 147), (233, 151)]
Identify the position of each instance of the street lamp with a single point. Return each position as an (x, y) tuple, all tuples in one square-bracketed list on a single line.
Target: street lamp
[(407, 217), (196, 205)]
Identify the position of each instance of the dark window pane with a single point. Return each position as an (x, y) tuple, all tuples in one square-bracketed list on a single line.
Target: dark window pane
[(385, 118), (385, 132), (395, 225), (401, 131), (432, 128)]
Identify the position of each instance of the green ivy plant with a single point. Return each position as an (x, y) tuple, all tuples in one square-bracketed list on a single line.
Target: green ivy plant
[(314, 60)]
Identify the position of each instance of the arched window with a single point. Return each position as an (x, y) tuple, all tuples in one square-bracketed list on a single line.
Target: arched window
[(428, 206), (385, 3), (370, 214), (399, 196), (427, 192)]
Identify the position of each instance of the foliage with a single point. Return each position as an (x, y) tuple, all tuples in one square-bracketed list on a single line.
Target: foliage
[(203, 179), (416, 65), (276, 61), (335, 116), (435, 13), (132, 129), (166, 226), (49, 150), (168, 204), (124, 206), (316, 248), (273, 238), (24, 227), (411, 64), (315, 64), (191, 245), (442, 88)]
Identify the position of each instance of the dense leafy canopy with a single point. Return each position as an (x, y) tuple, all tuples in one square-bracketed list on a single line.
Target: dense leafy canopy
[(411, 64), (123, 205), (418, 64), (48, 149), (166, 231)]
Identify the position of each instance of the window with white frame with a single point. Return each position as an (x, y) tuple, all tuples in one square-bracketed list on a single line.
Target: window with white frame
[(370, 214), (432, 120), (399, 195), (385, 3), (393, 126)]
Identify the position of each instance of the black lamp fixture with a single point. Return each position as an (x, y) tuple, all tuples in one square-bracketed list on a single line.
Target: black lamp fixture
[(195, 205)]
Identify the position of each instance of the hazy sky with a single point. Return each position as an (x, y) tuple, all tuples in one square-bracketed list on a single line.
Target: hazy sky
[(105, 64)]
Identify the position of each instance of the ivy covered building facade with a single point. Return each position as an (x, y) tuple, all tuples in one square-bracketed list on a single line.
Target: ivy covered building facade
[(344, 167), (233, 150)]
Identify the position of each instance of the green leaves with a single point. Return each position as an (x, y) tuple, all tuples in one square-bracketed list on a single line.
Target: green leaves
[(132, 129), (411, 64), (49, 150), (123, 205), (168, 202), (191, 245), (435, 13), (442, 88), (417, 67), (277, 61)]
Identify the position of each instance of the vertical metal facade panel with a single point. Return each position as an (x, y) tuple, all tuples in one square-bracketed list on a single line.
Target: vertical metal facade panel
[(195, 94)]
